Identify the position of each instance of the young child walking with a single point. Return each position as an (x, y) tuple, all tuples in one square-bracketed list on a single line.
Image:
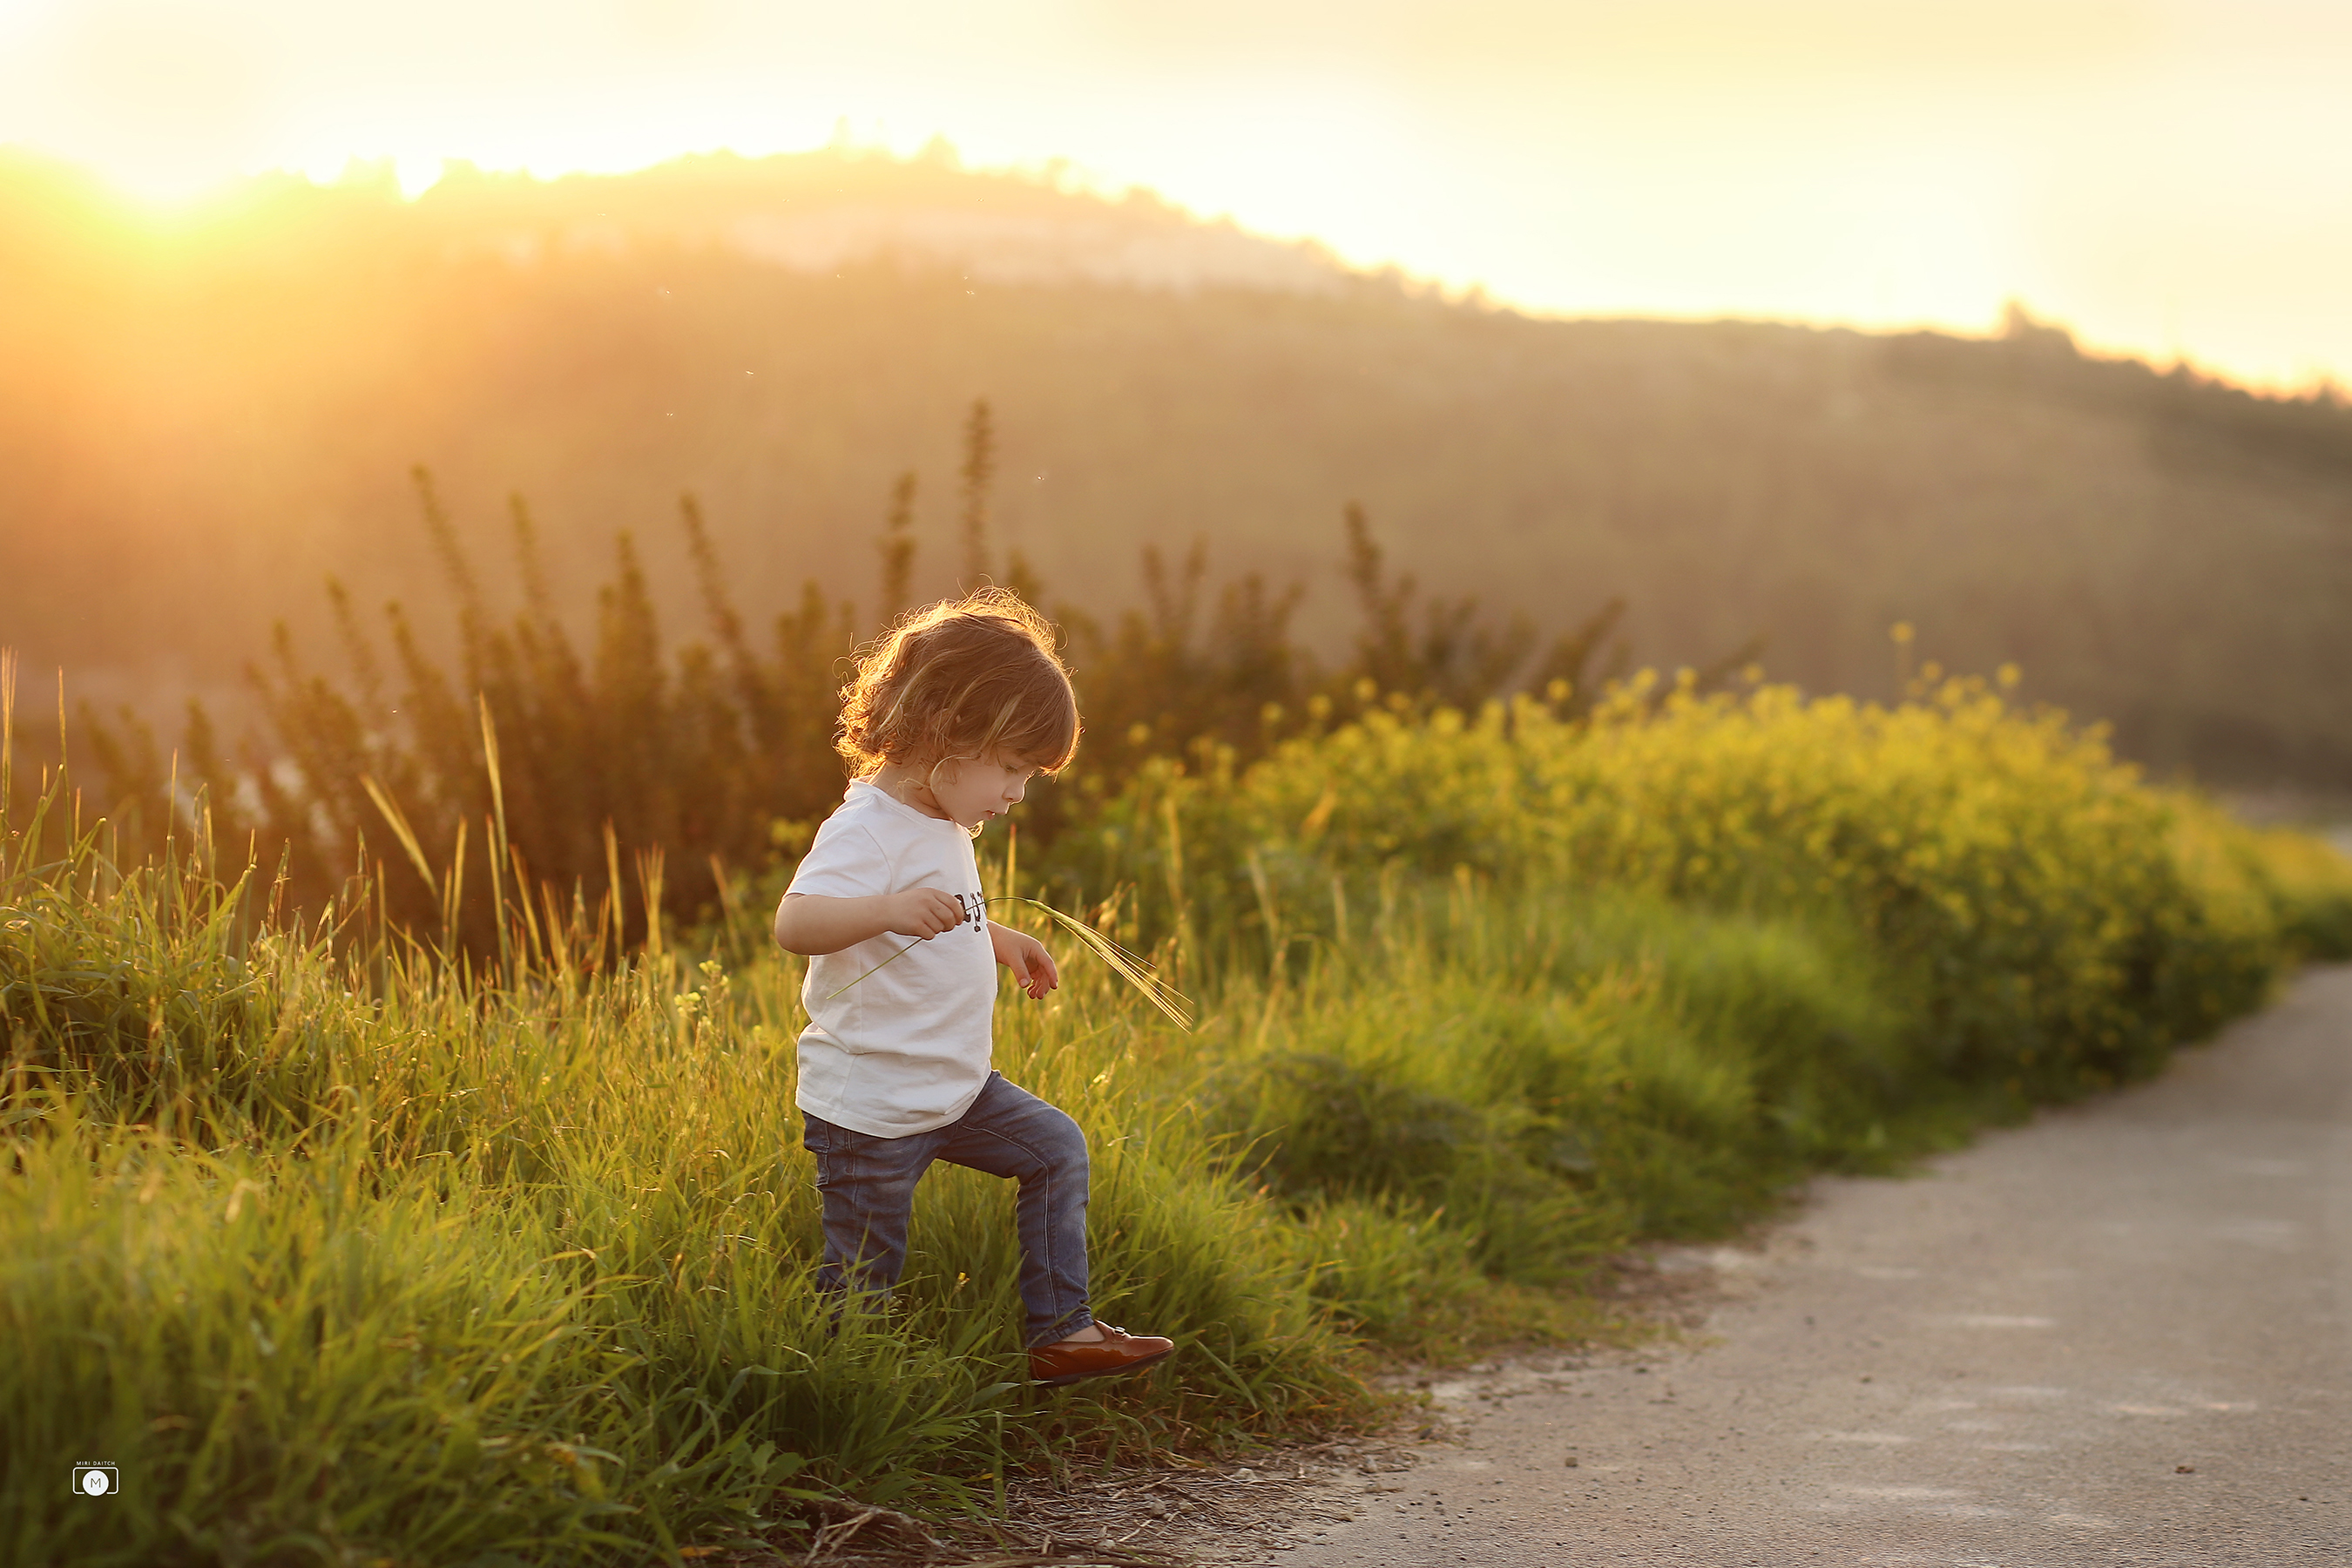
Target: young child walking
[(947, 719)]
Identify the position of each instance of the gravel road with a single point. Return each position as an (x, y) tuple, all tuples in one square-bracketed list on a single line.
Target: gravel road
[(2121, 1334)]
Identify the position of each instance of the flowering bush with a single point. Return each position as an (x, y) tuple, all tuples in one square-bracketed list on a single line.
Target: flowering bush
[(2056, 921)]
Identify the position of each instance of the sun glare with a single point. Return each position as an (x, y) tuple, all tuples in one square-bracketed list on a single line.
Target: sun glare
[(1571, 158), (417, 176)]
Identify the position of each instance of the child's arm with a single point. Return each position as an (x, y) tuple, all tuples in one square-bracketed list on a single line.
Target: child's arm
[(811, 924), (1024, 955)]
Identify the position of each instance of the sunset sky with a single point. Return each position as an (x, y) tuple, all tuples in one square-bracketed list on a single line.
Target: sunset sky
[(2168, 177)]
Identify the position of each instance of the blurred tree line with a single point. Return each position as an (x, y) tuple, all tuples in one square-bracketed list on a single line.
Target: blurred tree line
[(198, 417), (612, 777)]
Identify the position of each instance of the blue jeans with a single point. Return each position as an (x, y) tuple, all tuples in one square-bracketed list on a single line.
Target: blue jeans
[(867, 1184)]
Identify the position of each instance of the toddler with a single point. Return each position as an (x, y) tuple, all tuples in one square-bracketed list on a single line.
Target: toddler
[(947, 719)]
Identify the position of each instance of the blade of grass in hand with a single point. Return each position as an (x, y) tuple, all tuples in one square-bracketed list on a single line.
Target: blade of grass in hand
[(1135, 971)]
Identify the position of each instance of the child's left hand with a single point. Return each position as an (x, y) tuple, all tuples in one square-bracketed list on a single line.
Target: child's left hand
[(1024, 955)]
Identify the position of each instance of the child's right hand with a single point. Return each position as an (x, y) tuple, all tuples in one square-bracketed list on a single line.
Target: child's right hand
[(923, 912)]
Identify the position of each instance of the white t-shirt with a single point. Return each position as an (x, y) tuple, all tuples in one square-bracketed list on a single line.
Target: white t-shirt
[(905, 1049)]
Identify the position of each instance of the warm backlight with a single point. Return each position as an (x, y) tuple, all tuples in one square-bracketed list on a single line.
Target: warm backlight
[(2172, 176)]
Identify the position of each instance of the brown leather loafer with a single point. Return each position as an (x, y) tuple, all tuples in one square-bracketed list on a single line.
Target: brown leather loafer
[(1116, 1352)]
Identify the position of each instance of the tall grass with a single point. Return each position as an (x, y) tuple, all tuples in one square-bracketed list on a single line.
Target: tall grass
[(717, 752), (342, 1249), (441, 1267)]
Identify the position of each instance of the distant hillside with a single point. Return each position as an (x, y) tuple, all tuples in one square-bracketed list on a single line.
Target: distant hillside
[(200, 420)]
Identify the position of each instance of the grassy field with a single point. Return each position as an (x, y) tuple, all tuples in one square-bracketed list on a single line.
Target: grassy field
[(345, 1253)]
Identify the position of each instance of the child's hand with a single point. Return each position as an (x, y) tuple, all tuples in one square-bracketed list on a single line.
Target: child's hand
[(1024, 955), (923, 912)]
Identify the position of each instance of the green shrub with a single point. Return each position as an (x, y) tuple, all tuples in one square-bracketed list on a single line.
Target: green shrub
[(2057, 923)]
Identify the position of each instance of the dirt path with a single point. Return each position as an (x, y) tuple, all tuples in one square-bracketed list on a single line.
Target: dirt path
[(2122, 1334)]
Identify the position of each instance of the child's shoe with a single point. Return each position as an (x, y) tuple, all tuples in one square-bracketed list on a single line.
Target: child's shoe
[(1116, 1352)]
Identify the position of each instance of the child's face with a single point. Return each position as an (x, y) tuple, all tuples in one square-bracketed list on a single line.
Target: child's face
[(972, 790)]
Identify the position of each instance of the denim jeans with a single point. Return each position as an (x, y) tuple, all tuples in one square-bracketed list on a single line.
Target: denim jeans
[(867, 1184)]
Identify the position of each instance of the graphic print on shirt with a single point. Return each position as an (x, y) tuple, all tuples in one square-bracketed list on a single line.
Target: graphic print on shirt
[(898, 1037)]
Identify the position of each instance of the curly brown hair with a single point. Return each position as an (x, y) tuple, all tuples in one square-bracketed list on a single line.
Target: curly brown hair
[(977, 676)]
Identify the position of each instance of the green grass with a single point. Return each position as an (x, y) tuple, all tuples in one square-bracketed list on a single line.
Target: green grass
[(344, 1254), (398, 1264)]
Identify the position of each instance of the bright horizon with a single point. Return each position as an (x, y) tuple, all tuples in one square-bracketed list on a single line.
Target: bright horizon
[(2167, 178)]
